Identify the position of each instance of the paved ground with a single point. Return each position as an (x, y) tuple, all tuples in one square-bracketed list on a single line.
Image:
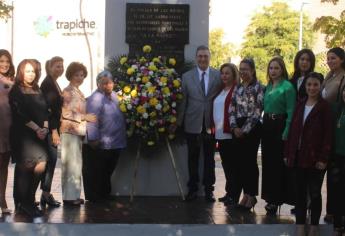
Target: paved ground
[(154, 210)]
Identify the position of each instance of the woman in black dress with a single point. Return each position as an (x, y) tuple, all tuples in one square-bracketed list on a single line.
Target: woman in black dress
[(28, 135)]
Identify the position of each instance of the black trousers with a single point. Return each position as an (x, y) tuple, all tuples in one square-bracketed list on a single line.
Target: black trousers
[(227, 152), (194, 144), (98, 167), (336, 183), (246, 161), (47, 177), (273, 167), (308, 184)]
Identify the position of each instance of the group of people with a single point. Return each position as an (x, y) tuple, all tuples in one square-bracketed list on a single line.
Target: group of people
[(35, 120), (299, 121)]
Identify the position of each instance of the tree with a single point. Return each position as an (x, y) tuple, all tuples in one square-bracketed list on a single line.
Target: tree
[(5, 10), (333, 28), (274, 31), (220, 52)]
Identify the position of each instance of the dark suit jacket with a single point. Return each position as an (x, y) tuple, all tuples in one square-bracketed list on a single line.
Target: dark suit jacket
[(301, 93), (312, 140), (54, 100)]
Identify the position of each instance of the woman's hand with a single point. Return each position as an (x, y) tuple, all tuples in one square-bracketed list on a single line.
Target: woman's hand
[(320, 165), (90, 117), (55, 137), (238, 133), (42, 133)]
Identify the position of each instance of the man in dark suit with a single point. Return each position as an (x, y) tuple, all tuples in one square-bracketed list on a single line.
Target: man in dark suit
[(199, 86)]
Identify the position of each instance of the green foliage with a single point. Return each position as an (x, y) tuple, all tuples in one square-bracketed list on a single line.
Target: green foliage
[(274, 31), (333, 28), (5, 10), (321, 63), (220, 52)]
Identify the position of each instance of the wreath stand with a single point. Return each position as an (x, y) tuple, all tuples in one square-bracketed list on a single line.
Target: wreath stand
[(172, 158)]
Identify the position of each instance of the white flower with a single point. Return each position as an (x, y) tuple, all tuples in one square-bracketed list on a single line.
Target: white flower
[(173, 104), (150, 72), (160, 84), (146, 105), (134, 66), (138, 79), (148, 84), (144, 94), (131, 79), (158, 106), (152, 63), (145, 115), (129, 106)]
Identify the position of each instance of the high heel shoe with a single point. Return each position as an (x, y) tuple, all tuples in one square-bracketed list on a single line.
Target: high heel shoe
[(49, 200), (250, 203), (243, 201)]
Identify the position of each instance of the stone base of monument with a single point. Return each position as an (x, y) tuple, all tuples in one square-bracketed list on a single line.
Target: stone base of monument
[(155, 172)]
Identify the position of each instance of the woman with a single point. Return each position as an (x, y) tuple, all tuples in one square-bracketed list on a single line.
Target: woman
[(304, 63), (6, 82), (245, 114), (307, 150), (29, 130), (72, 130), (52, 94), (106, 138), (337, 168), (220, 116), (279, 104), (331, 92)]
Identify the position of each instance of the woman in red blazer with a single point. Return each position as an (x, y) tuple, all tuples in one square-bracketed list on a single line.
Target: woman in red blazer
[(307, 150)]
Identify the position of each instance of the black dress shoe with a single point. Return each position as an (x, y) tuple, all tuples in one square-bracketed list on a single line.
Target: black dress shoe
[(191, 196), (209, 197)]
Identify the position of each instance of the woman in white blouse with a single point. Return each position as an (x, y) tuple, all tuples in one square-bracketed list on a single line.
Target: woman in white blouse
[(229, 77)]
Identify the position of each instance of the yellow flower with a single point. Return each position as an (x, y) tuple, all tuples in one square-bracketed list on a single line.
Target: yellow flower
[(151, 89), (123, 107), (145, 79), (161, 130), (176, 83), (172, 61), (123, 60), (163, 79), (147, 48), (126, 89), (130, 71), (134, 93), (153, 114), (173, 119), (153, 68), (141, 109), (142, 60), (150, 143), (153, 101), (155, 59), (165, 90), (166, 108)]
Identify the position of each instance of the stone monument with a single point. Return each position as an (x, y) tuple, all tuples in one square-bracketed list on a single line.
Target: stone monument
[(173, 28)]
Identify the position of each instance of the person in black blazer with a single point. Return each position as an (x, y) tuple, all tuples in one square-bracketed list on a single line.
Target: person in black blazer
[(52, 94), (304, 63)]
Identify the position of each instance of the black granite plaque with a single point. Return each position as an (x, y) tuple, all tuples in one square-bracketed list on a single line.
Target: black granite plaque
[(163, 26)]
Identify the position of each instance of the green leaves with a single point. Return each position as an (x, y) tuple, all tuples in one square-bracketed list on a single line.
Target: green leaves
[(275, 31), (5, 10), (220, 52)]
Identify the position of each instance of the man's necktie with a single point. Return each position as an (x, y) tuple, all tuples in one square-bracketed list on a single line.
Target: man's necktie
[(202, 82)]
